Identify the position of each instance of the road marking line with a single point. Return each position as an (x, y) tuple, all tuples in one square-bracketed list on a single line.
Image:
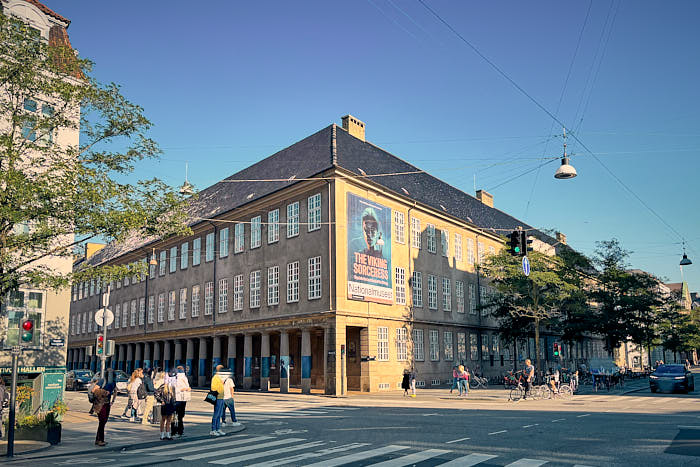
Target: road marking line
[(411, 459), (468, 461), (688, 427), (358, 456), (526, 463), (183, 444), (456, 440), (255, 455), (498, 432), (528, 426), (218, 452), (374, 428), (584, 415), (429, 414), (558, 420), (310, 455)]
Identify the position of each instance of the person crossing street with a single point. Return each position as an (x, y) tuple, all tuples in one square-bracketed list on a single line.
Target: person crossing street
[(217, 385)]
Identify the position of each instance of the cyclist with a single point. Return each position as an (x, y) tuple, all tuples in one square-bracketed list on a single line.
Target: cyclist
[(529, 376)]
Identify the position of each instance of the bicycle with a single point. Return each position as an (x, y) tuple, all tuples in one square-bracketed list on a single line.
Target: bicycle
[(476, 382)]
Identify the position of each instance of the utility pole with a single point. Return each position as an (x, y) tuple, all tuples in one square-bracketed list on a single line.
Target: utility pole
[(16, 351), (103, 357)]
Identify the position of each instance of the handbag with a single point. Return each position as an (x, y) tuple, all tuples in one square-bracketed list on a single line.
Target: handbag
[(211, 397)]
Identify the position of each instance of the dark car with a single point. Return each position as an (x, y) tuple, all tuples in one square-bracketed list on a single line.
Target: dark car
[(671, 378), (78, 379)]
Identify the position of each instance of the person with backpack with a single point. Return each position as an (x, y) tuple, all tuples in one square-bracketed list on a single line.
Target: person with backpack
[(183, 394), (165, 394), (149, 400), (229, 387)]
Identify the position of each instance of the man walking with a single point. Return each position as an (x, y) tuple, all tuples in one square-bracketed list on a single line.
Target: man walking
[(529, 376), (229, 386), (150, 391), (217, 385)]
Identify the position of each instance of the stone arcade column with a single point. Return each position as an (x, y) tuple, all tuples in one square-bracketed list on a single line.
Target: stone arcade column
[(146, 355), (139, 355), (215, 354), (156, 355), (248, 361), (284, 362), (189, 357), (166, 355), (265, 362), (69, 359), (129, 359), (306, 361), (178, 353), (202, 368), (232, 355)]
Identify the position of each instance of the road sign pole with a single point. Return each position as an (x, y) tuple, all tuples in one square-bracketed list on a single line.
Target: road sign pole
[(13, 400), (103, 357)]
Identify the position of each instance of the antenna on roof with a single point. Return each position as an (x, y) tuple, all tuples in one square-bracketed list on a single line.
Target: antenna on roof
[(187, 188)]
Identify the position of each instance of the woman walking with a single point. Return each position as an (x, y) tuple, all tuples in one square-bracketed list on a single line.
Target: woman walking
[(406, 382), (166, 395), (104, 394), (462, 380), (130, 400), (455, 380), (136, 393), (183, 393)]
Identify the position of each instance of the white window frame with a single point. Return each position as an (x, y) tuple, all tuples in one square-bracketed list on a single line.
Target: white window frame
[(173, 259), (223, 242), (458, 247), (273, 226), (293, 282), (239, 238), (209, 247), (223, 295), (172, 299), (417, 289), (399, 227), (432, 292), (125, 315), (151, 308), (448, 346), (415, 233), (196, 251), (461, 347), (470, 251), (434, 342), (273, 285), (401, 344), (184, 255), (238, 292), (418, 345), (445, 242), (446, 294), (314, 278), (161, 307), (314, 212), (480, 252), (472, 299), (195, 301), (183, 303), (142, 311), (400, 282), (255, 286), (459, 291), (473, 347), (293, 219), (383, 343), (430, 235), (255, 232), (208, 298)]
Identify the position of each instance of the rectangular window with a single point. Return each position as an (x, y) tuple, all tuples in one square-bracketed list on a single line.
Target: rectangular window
[(92, 287), (209, 247), (162, 263), (273, 285), (473, 347), (184, 255), (223, 295), (90, 320), (314, 212), (85, 319), (196, 251), (161, 307), (458, 247), (399, 227), (125, 315), (255, 232), (293, 219), (480, 252), (255, 289), (482, 298), (132, 320), (472, 300), (401, 347), (126, 283), (171, 305), (418, 345), (273, 226), (195, 301), (239, 238), (209, 298), (417, 287), (432, 292), (461, 347), (173, 259), (459, 291), (223, 243), (151, 308), (142, 276), (434, 345), (293, 282), (314, 277), (142, 311), (445, 242), (383, 344), (430, 232), (415, 233), (119, 284), (183, 303), (484, 347), (238, 292), (400, 286), (494, 345), (446, 295), (449, 349), (470, 251)]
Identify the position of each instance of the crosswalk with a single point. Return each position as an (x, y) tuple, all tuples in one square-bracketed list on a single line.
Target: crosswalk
[(271, 413), (271, 451)]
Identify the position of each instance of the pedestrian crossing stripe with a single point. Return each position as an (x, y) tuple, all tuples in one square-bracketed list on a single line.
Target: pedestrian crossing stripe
[(272, 452), (359, 456), (270, 444), (310, 455)]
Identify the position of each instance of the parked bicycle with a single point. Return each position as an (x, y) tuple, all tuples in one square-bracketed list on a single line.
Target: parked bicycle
[(478, 382)]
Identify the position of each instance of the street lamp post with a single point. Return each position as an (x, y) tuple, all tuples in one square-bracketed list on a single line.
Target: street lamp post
[(105, 303)]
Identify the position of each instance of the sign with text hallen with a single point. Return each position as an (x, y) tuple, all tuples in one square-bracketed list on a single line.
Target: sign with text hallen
[(369, 251)]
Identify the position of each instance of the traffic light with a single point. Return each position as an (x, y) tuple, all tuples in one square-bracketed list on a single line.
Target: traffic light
[(515, 243), (28, 330), (100, 346), (524, 243), (556, 349)]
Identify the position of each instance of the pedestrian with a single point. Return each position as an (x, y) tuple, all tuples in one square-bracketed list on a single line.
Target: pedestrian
[(4, 399), (455, 380), (229, 387), (217, 385), (413, 383), (183, 394), (166, 395), (687, 364), (148, 402), (462, 380), (104, 395), (137, 394), (529, 376), (406, 382), (131, 396)]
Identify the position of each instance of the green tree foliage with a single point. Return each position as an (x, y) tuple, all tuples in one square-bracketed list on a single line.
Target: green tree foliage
[(679, 329), (523, 305), (54, 191)]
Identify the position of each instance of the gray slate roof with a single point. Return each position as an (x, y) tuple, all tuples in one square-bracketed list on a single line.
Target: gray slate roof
[(313, 155)]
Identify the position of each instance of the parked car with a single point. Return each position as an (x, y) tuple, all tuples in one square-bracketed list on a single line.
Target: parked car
[(78, 379), (121, 378), (671, 378)]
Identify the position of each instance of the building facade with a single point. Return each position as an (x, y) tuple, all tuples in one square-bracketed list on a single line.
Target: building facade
[(331, 265)]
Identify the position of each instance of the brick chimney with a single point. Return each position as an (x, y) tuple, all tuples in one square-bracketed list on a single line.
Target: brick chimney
[(354, 126), (485, 197), (561, 238)]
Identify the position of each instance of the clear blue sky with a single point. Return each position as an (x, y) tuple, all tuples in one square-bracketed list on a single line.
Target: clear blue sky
[(227, 83)]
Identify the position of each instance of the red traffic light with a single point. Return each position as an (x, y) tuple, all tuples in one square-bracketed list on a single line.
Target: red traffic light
[(100, 338), (28, 325)]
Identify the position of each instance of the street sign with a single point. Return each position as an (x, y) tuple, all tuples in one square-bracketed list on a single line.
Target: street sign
[(526, 266), (108, 315), (58, 342)]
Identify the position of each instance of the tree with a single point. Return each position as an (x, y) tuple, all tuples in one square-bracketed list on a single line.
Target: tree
[(679, 328), (58, 190), (524, 304)]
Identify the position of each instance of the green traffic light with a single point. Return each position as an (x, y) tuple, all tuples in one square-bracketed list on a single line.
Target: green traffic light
[(517, 249), (27, 336)]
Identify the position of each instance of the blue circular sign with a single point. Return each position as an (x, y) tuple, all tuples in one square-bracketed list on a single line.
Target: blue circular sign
[(526, 266)]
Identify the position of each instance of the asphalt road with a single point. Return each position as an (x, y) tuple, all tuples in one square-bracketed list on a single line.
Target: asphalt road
[(433, 429)]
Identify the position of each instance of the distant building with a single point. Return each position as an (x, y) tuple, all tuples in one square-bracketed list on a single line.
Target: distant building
[(330, 265)]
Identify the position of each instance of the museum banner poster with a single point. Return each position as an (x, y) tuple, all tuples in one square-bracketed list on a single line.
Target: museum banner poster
[(369, 251)]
